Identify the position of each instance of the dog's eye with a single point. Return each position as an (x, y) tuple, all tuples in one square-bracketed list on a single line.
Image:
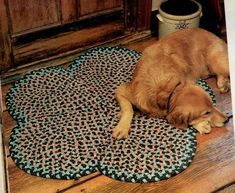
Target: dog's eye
[(207, 113)]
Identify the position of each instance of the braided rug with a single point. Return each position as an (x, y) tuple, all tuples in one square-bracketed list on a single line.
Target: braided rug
[(65, 119)]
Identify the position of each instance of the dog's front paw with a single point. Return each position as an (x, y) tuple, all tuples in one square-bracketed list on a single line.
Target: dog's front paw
[(203, 127), (120, 132), (223, 85)]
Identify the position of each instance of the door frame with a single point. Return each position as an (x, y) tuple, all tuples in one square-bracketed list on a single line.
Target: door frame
[(6, 54)]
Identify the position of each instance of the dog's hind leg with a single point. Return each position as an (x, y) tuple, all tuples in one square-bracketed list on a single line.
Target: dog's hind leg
[(223, 84), (122, 129), (218, 65)]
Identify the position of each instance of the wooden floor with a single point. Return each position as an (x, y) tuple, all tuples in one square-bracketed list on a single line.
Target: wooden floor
[(212, 170)]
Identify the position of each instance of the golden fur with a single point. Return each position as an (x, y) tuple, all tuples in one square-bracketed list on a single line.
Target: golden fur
[(164, 82)]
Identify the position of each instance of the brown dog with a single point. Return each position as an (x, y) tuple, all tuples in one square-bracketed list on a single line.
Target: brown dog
[(164, 82)]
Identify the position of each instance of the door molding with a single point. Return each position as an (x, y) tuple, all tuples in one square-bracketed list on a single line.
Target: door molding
[(6, 54)]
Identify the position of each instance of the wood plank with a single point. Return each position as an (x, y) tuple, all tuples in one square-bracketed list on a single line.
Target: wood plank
[(104, 184), (8, 124), (227, 189), (4, 90), (64, 42), (21, 182), (141, 45)]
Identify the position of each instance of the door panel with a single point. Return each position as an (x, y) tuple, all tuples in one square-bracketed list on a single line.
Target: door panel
[(69, 10), (30, 14), (98, 5)]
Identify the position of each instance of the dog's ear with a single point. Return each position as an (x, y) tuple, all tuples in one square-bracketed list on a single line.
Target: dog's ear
[(178, 118), (164, 92)]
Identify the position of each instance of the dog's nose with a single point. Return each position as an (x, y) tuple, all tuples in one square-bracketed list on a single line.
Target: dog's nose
[(227, 120)]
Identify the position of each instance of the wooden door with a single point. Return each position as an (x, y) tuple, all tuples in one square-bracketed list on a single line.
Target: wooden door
[(32, 30)]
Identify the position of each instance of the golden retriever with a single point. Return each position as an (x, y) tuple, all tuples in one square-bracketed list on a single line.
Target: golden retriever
[(164, 82)]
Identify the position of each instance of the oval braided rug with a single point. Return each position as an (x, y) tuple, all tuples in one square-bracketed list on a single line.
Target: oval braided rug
[(65, 119)]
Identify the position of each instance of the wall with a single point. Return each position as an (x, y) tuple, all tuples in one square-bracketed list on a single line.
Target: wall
[(230, 26), (155, 4)]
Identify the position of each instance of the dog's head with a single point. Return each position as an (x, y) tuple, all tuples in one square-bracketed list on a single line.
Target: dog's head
[(193, 106)]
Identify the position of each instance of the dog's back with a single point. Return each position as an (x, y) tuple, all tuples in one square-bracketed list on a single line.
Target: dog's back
[(187, 52)]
